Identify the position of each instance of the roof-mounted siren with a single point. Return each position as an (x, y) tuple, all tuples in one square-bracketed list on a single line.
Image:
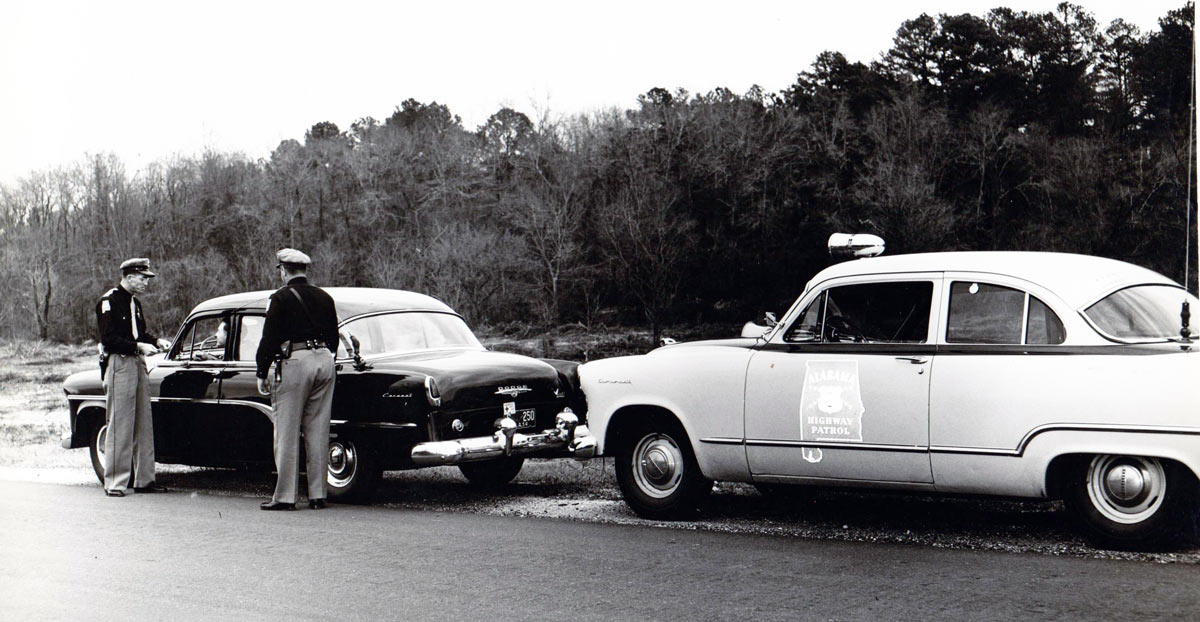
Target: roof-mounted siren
[(855, 245)]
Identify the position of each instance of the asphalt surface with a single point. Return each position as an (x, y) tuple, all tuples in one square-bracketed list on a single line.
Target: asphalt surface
[(69, 552)]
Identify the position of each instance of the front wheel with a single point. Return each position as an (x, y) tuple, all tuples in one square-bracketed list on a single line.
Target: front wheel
[(96, 448), (1128, 502), (352, 476), (658, 473), (492, 474)]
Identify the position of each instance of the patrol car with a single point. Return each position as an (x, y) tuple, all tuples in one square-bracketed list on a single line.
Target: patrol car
[(1018, 374), (415, 388)]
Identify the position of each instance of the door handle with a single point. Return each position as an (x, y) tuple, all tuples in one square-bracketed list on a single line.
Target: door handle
[(915, 360)]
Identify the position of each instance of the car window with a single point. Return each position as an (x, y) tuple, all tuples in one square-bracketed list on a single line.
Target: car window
[(392, 333), (249, 333), (1141, 313), (994, 314), (808, 327), (889, 312), (203, 340), (1044, 327)]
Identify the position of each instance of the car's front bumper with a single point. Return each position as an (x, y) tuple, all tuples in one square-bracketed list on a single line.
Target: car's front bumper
[(568, 436)]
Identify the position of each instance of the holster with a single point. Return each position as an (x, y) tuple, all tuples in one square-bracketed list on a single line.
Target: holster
[(285, 352), (103, 360)]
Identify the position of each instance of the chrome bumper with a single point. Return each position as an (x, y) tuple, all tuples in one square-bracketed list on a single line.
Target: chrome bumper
[(568, 434)]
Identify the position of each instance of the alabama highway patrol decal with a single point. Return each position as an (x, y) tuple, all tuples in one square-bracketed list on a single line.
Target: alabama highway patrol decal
[(831, 405)]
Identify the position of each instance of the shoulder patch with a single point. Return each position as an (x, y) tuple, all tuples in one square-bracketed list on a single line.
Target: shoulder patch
[(104, 306)]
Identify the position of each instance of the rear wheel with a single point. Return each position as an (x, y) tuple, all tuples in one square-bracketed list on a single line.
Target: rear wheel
[(489, 474), (658, 473), (1133, 501), (353, 476), (96, 448)]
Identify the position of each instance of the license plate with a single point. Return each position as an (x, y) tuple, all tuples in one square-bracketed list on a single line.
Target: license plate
[(526, 418)]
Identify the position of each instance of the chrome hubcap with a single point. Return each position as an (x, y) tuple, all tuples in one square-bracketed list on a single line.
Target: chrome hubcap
[(343, 462), (100, 436), (657, 465), (1126, 489)]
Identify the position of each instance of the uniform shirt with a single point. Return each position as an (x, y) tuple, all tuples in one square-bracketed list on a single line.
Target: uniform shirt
[(287, 321), (116, 318)]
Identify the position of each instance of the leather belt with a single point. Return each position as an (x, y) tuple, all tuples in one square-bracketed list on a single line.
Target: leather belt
[(310, 344)]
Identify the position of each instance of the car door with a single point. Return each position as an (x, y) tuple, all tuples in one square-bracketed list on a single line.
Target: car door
[(244, 424), (185, 386), (842, 391), (1002, 373)]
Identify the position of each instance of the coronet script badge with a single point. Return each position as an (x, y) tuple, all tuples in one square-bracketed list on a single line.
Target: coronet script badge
[(513, 391)]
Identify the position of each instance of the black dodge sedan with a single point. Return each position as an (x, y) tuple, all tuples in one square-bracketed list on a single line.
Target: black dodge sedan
[(414, 388)]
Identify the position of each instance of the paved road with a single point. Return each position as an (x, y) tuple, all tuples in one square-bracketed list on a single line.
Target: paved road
[(68, 552)]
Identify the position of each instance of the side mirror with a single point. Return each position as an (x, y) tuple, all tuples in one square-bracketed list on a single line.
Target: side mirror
[(750, 329), (769, 319)]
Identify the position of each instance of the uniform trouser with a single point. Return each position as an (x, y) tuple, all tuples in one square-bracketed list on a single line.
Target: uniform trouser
[(129, 441), (302, 400)]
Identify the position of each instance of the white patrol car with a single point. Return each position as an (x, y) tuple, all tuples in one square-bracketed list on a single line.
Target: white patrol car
[(1037, 375)]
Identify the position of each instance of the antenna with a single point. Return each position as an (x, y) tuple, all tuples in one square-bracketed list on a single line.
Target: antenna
[(1185, 313)]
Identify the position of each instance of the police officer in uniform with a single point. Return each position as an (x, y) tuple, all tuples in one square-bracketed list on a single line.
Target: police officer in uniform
[(129, 441), (299, 336)]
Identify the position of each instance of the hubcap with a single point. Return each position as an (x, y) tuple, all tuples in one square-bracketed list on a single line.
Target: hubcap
[(1126, 489), (100, 436), (343, 462), (657, 465)]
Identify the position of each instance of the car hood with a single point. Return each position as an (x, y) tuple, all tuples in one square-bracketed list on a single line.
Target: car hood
[(737, 342)]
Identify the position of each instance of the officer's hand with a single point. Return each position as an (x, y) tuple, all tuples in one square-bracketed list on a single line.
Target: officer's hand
[(146, 349), (264, 386), (163, 344)]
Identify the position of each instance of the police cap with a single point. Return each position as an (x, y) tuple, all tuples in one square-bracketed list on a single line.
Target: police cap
[(292, 258), (137, 265)]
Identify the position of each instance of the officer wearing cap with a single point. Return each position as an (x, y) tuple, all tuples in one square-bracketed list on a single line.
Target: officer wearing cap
[(299, 336), (129, 441)]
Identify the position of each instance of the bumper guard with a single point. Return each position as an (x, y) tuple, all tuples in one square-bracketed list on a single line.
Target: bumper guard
[(568, 434)]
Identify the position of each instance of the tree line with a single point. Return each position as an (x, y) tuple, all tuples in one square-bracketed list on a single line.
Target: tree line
[(1010, 130)]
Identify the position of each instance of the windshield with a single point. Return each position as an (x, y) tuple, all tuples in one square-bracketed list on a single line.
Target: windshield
[(1141, 313), (393, 333)]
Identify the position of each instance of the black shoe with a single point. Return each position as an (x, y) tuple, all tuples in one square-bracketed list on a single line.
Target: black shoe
[(276, 506), (151, 487), (316, 504), (115, 493)]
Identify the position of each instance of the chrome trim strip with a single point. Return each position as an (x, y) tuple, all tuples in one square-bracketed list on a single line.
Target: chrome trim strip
[(982, 451), (1064, 427), (717, 440), (383, 425), (260, 407), (755, 442)]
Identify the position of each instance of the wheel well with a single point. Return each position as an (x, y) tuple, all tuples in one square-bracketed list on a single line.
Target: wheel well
[(85, 420), (1059, 469), (1062, 466), (632, 418)]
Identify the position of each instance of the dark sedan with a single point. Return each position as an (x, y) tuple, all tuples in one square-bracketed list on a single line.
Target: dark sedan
[(414, 388)]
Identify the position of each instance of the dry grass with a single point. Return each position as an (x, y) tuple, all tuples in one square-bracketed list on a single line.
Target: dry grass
[(33, 411)]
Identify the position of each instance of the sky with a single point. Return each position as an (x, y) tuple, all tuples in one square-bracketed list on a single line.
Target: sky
[(152, 80)]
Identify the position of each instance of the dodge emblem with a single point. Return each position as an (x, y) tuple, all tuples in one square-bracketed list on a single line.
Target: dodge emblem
[(513, 391)]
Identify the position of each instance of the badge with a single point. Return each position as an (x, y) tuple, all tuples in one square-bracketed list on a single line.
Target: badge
[(831, 405)]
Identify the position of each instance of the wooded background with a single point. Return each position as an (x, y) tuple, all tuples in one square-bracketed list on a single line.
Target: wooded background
[(1010, 130)]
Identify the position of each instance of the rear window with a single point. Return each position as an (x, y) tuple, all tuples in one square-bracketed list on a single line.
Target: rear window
[(1141, 313)]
